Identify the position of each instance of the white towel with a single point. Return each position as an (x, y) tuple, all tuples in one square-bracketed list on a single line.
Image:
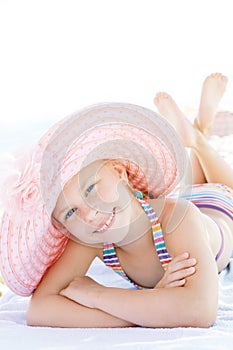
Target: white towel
[(15, 334)]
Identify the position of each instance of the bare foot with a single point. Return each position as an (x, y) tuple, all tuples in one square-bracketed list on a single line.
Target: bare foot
[(169, 109), (212, 91)]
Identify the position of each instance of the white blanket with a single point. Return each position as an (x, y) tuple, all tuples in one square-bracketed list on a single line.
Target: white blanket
[(15, 334)]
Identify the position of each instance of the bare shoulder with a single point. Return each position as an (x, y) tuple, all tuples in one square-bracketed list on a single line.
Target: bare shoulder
[(171, 212), (75, 261), (182, 223)]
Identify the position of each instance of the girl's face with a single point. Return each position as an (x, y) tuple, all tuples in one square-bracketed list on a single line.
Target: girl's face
[(95, 206)]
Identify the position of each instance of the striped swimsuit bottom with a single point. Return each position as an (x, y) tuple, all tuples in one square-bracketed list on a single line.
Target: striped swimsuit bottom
[(212, 196)]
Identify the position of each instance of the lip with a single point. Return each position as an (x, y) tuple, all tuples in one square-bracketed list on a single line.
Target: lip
[(103, 230)]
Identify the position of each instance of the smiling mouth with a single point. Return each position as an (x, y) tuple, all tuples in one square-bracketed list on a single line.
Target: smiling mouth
[(107, 224)]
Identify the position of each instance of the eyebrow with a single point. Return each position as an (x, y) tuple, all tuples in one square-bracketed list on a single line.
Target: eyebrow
[(84, 184)]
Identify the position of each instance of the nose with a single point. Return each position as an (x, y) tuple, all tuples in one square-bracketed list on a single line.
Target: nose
[(88, 214)]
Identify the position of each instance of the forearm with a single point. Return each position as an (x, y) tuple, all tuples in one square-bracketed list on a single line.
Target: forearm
[(166, 307), (58, 311)]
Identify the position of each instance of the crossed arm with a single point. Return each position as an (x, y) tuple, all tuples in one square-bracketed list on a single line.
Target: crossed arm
[(85, 303), (48, 308)]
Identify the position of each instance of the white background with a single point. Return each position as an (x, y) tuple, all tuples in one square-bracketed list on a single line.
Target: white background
[(59, 55)]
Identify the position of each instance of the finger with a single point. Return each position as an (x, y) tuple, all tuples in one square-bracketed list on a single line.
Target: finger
[(176, 266), (179, 283), (179, 275), (181, 257), (177, 259), (186, 264), (63, 292)]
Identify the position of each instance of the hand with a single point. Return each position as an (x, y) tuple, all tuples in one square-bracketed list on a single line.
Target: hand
[(83, 290), (177, 271)]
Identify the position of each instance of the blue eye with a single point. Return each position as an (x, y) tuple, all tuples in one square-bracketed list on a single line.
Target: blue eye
[(89, 189), (70, 213)]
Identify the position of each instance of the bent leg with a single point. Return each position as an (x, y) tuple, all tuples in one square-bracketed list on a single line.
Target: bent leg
[(208, 162), (215, 168), (169, 109), (213, 89)]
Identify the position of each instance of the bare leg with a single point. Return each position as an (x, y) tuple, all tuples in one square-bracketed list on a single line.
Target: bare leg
[(210, 163), (212, 91), (168, 108), (198, 176), (213, 165)]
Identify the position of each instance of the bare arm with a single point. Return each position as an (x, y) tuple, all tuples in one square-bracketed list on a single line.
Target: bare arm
[(57, 311), (193, 305), (48, 308)]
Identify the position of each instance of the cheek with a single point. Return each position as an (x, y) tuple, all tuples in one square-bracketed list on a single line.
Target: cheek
[(122, 217), (75, 223), (78, 228)]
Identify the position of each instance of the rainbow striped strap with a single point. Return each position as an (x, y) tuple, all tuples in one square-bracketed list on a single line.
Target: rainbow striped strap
[(111, 260), (109, 253), (160, 247)]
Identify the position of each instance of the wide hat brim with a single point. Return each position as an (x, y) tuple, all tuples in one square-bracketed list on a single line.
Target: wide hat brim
[(144, 141), (113, 130)]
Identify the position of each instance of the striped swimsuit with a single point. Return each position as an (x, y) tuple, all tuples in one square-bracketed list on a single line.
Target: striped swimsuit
[(212, 196), (110, 256)]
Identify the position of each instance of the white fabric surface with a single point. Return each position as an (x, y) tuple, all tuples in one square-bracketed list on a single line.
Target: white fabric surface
[(15, 334)]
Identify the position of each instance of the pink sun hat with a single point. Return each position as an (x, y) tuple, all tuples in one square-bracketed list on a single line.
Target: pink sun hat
[(143, 141)]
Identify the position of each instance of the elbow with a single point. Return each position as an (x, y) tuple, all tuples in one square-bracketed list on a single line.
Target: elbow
[(31, 315), (205, 320), (36, 313), (204, 314), (30, 320)]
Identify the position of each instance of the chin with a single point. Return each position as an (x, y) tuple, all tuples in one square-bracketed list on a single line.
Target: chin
[(116, 235)]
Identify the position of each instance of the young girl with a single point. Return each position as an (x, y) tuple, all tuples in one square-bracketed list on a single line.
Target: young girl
[(107, 209)]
